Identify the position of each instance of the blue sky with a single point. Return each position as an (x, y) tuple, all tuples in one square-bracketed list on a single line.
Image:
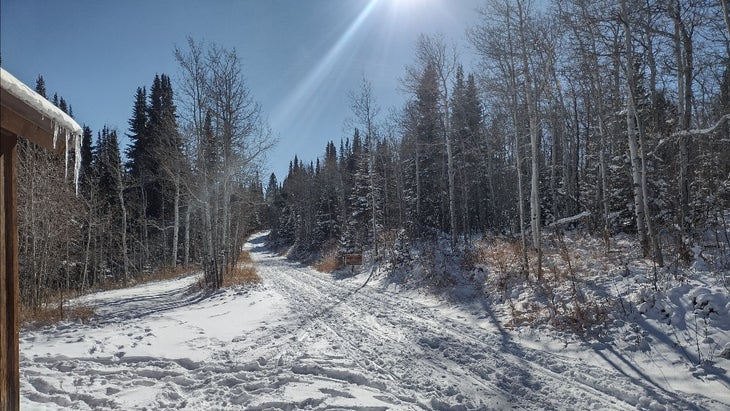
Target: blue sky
[(301, 58)]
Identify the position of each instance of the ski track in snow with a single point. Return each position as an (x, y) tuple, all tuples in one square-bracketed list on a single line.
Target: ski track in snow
[(306, 340)]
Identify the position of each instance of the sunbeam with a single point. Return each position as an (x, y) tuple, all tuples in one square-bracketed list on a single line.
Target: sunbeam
[(316, 76)]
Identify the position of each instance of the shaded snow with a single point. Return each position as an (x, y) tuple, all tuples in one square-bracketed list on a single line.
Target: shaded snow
[(304, 340)]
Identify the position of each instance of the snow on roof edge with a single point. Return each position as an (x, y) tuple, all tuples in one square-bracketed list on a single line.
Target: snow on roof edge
[(60, 121), (27, 95)]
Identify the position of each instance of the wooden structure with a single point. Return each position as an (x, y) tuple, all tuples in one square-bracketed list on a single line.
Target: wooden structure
[(353, 259), (22, 113)]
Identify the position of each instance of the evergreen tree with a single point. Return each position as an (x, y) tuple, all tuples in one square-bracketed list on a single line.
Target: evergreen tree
[(274, 203), (87, 158), (40, 86), (433, 201), (137, 155), (107, 164)]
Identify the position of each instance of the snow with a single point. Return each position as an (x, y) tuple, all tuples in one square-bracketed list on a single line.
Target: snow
[(61, 122), (18, 89), (305, 340), (568, 220)]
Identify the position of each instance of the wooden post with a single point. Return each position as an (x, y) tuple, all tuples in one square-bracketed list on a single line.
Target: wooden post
[(9, 313)]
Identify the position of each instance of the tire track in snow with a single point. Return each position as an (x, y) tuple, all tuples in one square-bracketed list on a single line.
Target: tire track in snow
[(446, 334), (329, 292)]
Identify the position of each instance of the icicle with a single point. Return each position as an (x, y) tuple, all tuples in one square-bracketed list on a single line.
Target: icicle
[(78, 141), (68, 136), (55, 133)]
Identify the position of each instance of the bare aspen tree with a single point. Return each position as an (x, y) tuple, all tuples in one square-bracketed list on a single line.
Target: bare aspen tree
[(229, 135), (523, 10), (123, 207), (635, 158), (684, 54)]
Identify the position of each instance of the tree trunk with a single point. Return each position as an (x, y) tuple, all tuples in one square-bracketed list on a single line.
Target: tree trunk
[(518, 149), (725, 5), (145, 230), (418, 179), (535, 223), (186, 254), (452, 195), (88, 243), (684, 57), (657, 252), (176, 221), (639, 211), (125, 254)]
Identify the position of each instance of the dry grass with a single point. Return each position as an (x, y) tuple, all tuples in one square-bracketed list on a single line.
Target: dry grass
[(244, 273), (331, 260), (53, 314), (244, 257), (169, 273), (328, 264)]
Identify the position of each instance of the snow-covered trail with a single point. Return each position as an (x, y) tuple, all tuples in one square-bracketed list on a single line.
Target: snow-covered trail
[(421, 353), (306, 340)]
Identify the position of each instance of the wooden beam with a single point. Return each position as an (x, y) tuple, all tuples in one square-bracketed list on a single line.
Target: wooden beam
[(9, 314), (22, 125)]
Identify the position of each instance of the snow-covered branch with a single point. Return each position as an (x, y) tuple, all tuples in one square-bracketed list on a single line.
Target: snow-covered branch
[(703, 131), (568, 220)]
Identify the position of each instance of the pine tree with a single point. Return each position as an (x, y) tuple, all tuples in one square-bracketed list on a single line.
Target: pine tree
[(433, 201), (110, 186), (137, 155), (40, 86), (87, 158)]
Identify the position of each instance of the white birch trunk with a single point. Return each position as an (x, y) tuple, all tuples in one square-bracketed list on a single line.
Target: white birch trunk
[(639, 211)]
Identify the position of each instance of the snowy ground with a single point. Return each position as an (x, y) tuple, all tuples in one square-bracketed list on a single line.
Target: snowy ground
[(306, 340)]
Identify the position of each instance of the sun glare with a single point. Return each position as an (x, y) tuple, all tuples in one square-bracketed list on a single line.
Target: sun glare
[(316, 76), (408, 3)]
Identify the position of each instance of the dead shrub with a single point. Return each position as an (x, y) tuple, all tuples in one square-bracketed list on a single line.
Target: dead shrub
[(581, 317), (529, 314), (503, 259), (328, 264)]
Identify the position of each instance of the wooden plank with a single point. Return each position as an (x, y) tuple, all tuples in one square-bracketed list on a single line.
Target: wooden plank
[(9, 313), (353, 259), (29, 125), (4, 389)]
